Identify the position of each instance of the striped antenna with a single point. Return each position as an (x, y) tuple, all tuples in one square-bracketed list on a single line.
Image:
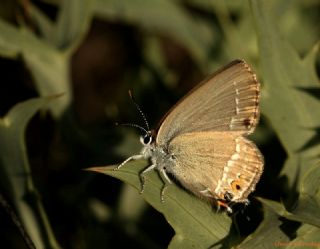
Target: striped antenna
[(140, 111), (134, 125)]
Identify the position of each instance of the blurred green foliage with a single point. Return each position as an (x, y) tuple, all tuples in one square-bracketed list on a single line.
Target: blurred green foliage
[(78, 58)]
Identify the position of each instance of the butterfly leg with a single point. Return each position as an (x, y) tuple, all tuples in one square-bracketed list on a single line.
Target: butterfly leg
[(135, 157), (143, 178), (206, 192), (225, 205), (166, 180), (246, 203)]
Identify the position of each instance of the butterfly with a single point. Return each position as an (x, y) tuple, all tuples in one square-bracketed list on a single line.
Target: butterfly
[(202, 141)]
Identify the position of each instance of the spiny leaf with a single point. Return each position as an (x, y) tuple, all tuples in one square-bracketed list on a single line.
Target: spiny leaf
[(314, 91), (290, 112), (313, 141), (47, 65), (43, 22), (73, 22), (163, 16), (267, 234), (48, 60), (307, 237), (307, 206), (311, 182), (305, 212), (15, 171), (194, 221)]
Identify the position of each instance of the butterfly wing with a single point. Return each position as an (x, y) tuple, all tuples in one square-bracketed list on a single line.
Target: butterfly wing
[(227, 101), (211, 164)]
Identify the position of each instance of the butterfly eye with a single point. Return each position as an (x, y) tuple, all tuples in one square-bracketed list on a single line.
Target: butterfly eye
[(147, 139)]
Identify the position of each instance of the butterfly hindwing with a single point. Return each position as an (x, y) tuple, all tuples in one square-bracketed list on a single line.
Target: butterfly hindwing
[(210, 164)]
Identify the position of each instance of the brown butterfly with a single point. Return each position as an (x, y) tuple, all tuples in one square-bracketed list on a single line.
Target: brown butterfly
[(201, 141)]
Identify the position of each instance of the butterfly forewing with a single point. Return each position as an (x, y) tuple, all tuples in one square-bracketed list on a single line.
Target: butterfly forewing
[(227, 101)]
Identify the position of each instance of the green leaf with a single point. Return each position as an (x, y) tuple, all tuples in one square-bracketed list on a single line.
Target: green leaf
[(164, 16), (194, 221), (15, 172), (307, 210), (19, 40), (73, 22), (290, 111), (50, 71), (49, 59), (267, 234), (311, 182), (182, 242), (307, 237), (236, 33), (48, 66), (44, 24), (307, 207)]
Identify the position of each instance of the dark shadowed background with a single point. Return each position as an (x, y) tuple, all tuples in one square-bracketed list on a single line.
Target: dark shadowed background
[(93, 52)]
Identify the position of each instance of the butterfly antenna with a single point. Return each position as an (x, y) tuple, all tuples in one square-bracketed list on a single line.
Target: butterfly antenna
[(134, 125), (140, 111)]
